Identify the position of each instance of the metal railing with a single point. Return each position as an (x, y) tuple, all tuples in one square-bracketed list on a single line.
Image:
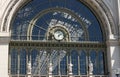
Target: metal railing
[(59, 76)]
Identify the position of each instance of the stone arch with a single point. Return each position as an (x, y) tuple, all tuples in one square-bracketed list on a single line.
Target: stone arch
[(104, 16), (98, 7)]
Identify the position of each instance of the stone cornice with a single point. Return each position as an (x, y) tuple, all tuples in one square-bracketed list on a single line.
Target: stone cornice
[(4, 37), (113, 43)]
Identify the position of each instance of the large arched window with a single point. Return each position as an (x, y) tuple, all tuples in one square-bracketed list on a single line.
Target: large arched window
[(56, 38)]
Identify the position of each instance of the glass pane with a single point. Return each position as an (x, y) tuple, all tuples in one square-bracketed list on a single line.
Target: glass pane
[(14, 61), (74, 59), (63, 66), (23, 62), (83, 69), (101, 63), (93, 59), (34, 61)]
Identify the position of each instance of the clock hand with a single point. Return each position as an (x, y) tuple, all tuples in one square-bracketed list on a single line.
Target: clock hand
[(59, 35)]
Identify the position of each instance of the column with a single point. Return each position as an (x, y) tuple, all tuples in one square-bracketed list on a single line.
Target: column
[(29, 69), (113, 56), (4, 48), (50, 69), (29, 64), (119, 26), (70, 74), (90, 65), (119, 14)]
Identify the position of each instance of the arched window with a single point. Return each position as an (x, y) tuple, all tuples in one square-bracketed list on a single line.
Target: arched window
[(56, 38), (38, 21)]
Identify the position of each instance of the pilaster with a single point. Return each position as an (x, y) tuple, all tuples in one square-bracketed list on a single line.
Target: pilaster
[(4, 48), (113, 49)]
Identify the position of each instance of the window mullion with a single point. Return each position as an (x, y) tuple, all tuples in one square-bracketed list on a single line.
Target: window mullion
[(18, 70)]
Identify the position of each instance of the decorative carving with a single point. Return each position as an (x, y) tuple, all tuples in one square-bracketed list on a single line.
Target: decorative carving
[(70, 70), (29, 68), (90, 67), (50, 70)]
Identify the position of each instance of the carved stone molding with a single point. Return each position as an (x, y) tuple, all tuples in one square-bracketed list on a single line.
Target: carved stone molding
[(104, 16), (109, 15), (4, 37), (10, 11), (112, 43)]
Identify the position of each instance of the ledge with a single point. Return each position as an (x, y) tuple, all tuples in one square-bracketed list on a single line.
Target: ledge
[(4, 37), (112, 43)]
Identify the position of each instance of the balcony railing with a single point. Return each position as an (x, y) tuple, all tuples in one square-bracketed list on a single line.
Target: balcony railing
[(59, 76)]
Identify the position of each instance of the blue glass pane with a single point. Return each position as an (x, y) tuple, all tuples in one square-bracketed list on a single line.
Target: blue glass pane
[(23, 62), (14, 61), (55, 61), (93, 58), (63, 66), (100, 63), (74, 59), (34, 59), (83, 69)]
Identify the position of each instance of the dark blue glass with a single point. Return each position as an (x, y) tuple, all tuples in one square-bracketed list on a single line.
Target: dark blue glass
[(14, 61), (63, 66), (83, 69), (93, 58), (74, 60), (100, 63), (34, 62), (23, 62)]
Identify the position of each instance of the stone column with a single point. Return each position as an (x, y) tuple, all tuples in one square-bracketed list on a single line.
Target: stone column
[(113, 56), (90, 68), (50, 70), (29, 69), (118, 1), (70, 74), (4, 49)]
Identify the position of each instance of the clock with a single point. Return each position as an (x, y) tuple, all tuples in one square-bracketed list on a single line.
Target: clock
[(59, 35)]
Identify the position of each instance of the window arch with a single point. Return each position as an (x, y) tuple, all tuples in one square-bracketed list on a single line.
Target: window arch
[(33, 23), (55, 35)]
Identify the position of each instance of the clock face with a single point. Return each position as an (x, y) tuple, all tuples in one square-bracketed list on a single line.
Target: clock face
[(59, 35)]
